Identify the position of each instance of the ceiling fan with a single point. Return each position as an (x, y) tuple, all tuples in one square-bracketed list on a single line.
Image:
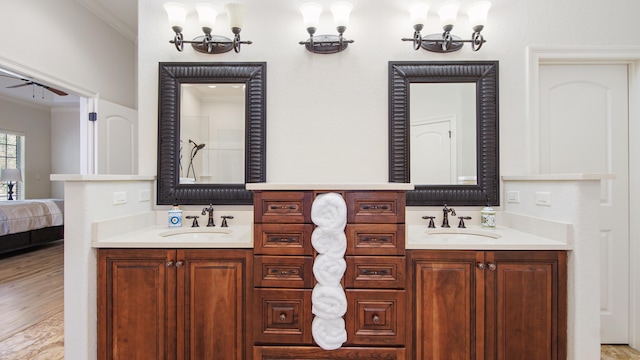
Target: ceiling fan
[(28, 82)]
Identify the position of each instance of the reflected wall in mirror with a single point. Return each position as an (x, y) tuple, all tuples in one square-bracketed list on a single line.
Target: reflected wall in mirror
[(236, 137), (442, 132), (212, 133), (464, 187)]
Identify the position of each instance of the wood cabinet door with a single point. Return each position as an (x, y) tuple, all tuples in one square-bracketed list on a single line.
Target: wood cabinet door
[(526, 305), (448, 304), (212, 289), (136, 300)]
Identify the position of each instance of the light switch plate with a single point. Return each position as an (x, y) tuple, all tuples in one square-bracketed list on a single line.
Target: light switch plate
[(144, 195), (513, 197), (119, 197), (543, 198)]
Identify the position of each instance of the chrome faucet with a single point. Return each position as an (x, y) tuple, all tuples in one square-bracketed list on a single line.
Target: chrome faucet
[(210, 211), (445, 212)]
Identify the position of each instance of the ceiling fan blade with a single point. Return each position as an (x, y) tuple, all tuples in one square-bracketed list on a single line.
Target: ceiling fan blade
[(19, 85), (55, 91)]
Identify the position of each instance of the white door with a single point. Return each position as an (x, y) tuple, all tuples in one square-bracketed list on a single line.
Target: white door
[(433, 153), (117, 128), (584, 122)]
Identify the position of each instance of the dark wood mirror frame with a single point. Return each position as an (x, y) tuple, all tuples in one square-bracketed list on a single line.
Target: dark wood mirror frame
[(485, 75), (172, 76)]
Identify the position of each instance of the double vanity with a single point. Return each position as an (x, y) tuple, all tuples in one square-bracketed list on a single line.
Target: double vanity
[(245, 291)]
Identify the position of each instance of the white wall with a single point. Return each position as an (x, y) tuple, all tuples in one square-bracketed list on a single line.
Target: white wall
[(62, 39), (32, 122), (65, 142), (327, 115)]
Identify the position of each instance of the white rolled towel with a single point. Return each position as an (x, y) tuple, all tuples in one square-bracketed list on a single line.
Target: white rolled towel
[(325, 242), (328, 301), (329, 334), (329, 270), (329, 211)]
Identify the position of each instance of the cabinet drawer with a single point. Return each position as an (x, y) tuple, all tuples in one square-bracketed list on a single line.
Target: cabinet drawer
[(375, 239), (283, 239), (375, 272), (291, 207), (375, 317), (283, 271), (376, 207), (282, 316)]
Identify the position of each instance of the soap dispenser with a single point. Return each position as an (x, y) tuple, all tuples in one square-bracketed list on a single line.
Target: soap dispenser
[(488, 217), (175, 216)]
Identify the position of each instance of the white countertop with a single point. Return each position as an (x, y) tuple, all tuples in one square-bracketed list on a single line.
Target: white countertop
[(239, 236), (558, 177), (89, 177), (329, 186), (477, 238)]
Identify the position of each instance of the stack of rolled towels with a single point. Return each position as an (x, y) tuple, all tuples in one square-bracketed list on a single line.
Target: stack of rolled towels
[(328, 299)]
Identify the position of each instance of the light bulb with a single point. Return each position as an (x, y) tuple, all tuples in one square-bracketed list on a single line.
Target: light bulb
[(419, 12), (478, 12), (341, 11), (311, 14), (177, 14)]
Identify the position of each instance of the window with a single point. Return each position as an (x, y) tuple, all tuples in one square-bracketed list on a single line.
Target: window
[(11, 157)]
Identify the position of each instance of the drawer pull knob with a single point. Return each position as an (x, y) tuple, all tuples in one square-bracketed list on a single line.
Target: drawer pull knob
[(282, 317), (374, 272), (481, 266), (375, 207), (376, 319), (169, 263), (282, 240), (179, 264), (282, 207), (492, 267), (283, 272), (376, 239)]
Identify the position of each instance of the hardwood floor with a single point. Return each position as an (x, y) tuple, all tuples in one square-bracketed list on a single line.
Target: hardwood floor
[(31, 303), (31, 306), (616, 352)]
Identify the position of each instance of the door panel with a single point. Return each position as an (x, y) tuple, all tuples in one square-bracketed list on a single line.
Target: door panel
[(117, 139), (445, 287), (437, 161), (584, 126), (133, 302), (211, 298)]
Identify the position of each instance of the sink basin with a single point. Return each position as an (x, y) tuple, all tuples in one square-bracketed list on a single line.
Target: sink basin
[(197, 234), (463, 234)]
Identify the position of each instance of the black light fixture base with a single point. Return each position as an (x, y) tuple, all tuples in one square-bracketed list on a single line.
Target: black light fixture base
[(10, 191), (219, 44), (326, 44), (433, 43)]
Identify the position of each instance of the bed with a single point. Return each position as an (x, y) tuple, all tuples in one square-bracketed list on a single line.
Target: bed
[(27, 223)]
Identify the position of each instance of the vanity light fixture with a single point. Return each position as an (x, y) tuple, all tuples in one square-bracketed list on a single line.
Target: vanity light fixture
[(326, 44), (207, 13), (447, 42)]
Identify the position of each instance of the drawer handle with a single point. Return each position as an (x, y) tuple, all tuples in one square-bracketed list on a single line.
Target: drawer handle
[(376, 239), (492, 267), (283, 272), (282, 240), (282, 207), (374, 272), (169, 263), (481, 266), (283, 317), (376, 319), (375, 207), (179, 264)]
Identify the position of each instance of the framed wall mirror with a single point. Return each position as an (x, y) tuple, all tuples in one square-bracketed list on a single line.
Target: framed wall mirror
[(443, 131), (211, 132)]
